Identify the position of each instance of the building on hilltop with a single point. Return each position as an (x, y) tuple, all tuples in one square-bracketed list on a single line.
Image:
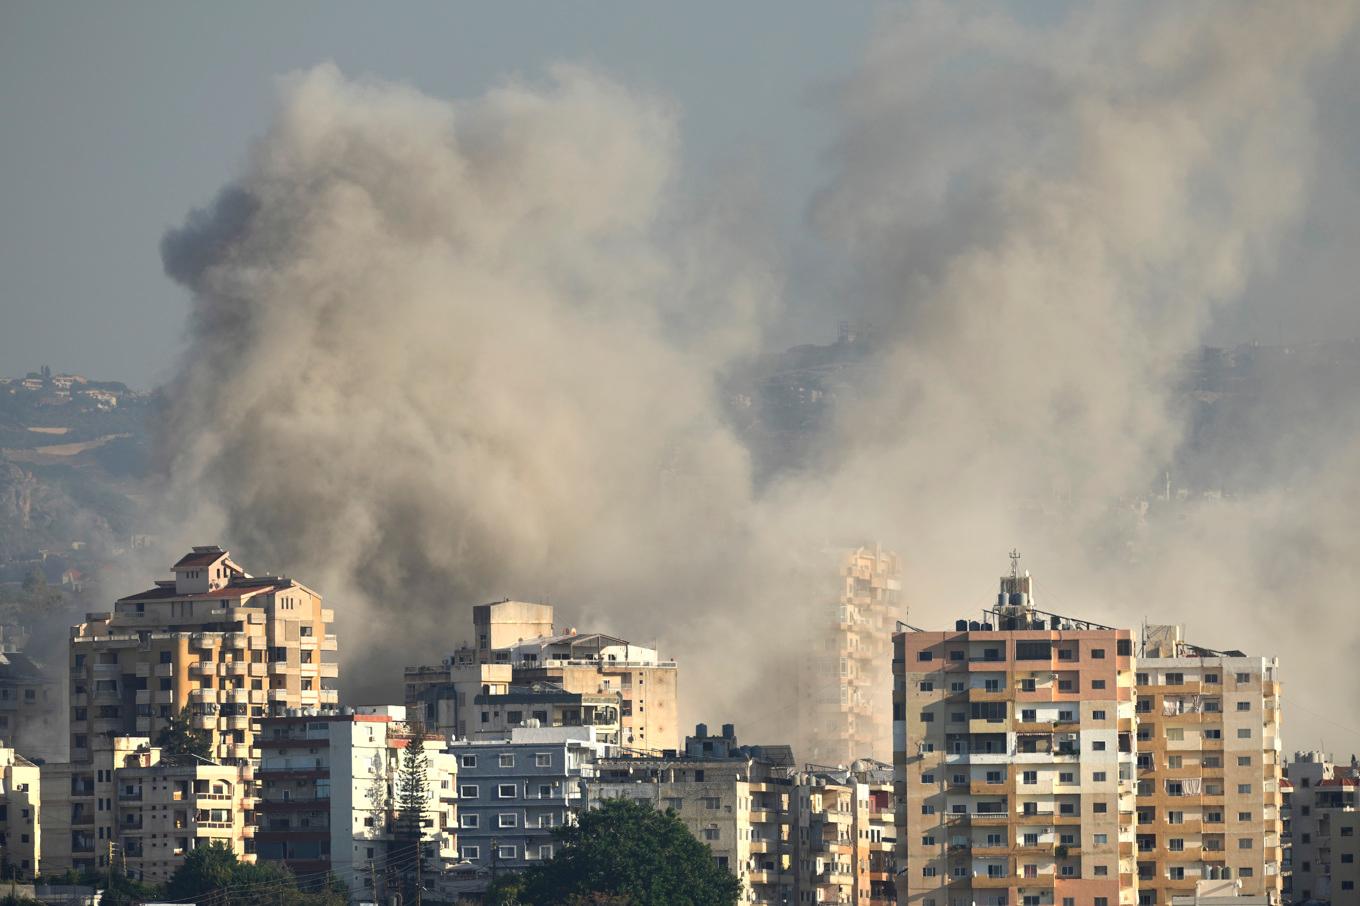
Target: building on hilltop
[(519, 669), (843, 675), (142, 808), (1209, 770), (230, 647), (327, 786), (1014, 758)]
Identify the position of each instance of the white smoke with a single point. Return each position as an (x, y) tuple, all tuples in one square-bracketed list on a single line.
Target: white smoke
[(447, 351)]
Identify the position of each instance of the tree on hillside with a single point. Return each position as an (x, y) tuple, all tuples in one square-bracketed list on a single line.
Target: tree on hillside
[(626, 851), (179, 736)]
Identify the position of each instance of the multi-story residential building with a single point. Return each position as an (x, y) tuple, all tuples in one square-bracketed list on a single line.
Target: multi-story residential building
[(615, 683), (1324, 814), (1209, 769), (229, 647), (20, 815), (30, 709), (1014, 758), (821, 835), (327, 794), (514, 790), (144, 809), (844, 681), (743, 802)]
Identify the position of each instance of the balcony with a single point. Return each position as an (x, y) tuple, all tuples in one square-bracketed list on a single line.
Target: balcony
[(164, 670), (234, 640)]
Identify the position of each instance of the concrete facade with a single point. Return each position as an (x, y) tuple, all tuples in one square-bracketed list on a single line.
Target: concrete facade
[(229, 647), (144, 810), (328, 795), (1209, 770), (1013, 750), (20, 815), (844, 677), (1324, 814)]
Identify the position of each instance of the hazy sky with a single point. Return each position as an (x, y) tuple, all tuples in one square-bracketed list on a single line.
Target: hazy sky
[(118, 118)]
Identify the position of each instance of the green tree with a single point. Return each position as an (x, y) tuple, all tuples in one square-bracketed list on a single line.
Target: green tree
[(413, 804), (213, 874), (627, 852), (179, 736)]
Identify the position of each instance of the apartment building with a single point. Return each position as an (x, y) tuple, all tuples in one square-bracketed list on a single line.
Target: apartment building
[(230, 647), (1014, 759), (30, 709), (327, 794), (627, 691), (142, 808), (513, 791), (844, 681), (842, 862), (742, 802), (1324, 812), (1209, 769), (20, 815)]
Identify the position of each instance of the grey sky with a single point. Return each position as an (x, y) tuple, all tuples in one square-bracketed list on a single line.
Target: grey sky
[(117, 118)]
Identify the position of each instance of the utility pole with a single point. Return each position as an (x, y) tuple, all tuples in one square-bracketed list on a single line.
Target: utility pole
[(373, 879), (109, 883)]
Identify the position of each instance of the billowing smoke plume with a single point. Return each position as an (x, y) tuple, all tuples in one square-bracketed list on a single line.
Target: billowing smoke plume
[(442, 352)]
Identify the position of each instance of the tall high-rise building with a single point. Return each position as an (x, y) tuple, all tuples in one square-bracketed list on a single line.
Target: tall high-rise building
[(520, 671), (1014, 759), (844, 683), (1325, 829), (229, 647), (1209, 769)]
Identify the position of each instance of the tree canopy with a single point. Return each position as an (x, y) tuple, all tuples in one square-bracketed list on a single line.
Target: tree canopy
[(626, 851), (179, 736), (213, 869)]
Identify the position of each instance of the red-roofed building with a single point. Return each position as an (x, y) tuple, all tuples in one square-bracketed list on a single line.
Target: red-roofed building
[(228, 647)]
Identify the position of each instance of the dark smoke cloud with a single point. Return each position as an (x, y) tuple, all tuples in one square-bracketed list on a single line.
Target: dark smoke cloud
[(446, 351)]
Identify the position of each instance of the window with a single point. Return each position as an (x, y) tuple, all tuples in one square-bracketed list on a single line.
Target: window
[(1098, 653), (1101, 839), (1065, 685), (467, 791), (1244, 843), (1176, 845), (928, 840), (467, 819), (1140, 679), (1244, 706), (927, 717), (1244, 788), (545, 851), (507, 819), (1100, 807), (1244, 677), (927, 778), (1029, 715), (506, 791), (926, 687), (711, 833), (1098, 746), (1097, 715), (925, 655), (1027, 685), (1102, 871), (542, 759), (506, 760), (1098, 684), (1029, 777), (1174, 817), (470, 853), (505, 852), (1243, 761), (469, 761), (1066, 777)]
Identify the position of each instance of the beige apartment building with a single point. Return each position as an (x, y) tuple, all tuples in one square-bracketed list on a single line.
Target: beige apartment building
[(1014, 758), (31, 709), (20, 815), (789, 835), (230, 647), (143, 809), (844, 681), (1209, 770), (1325, 811), (519, 668)]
